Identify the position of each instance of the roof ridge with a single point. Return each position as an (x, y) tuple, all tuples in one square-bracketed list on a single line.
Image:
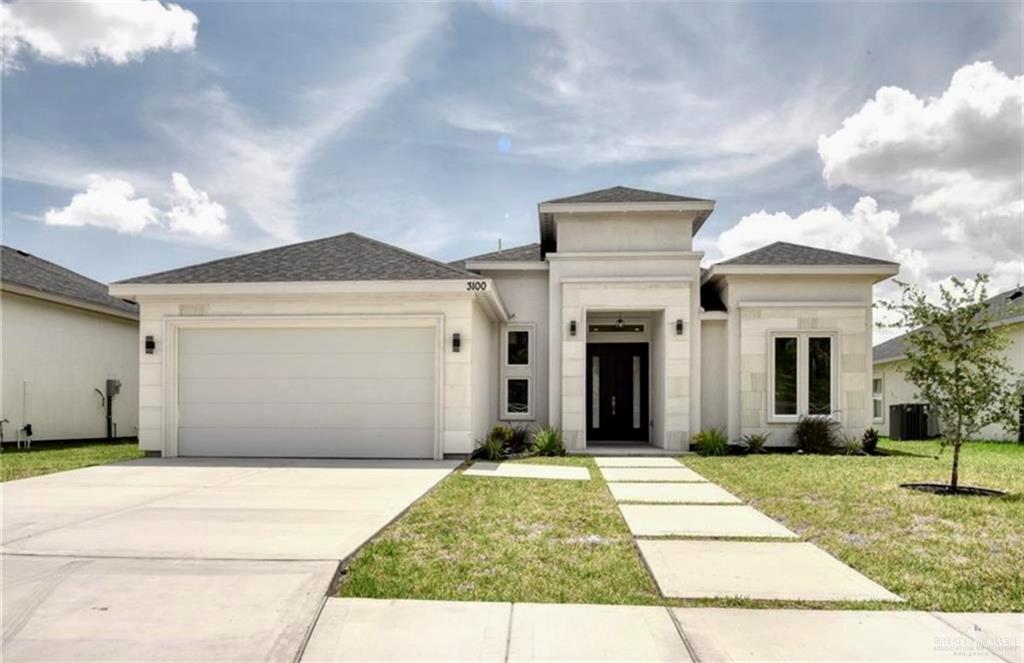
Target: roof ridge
[(419, 256), (776, 243), (54, 267), (490, 253)]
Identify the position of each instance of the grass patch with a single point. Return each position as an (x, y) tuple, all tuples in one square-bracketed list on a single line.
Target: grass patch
[(491, 539), (49, 457), (949, 553)]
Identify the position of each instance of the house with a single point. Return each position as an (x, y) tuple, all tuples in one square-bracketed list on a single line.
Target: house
[(889, 385), (66, 346), (607, 328)]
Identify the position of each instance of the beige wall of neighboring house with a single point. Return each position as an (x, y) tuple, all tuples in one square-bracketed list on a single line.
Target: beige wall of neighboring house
[(56, 355), (896, 389)]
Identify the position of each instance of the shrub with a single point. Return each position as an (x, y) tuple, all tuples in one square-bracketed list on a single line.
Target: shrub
[(491, 447), (755, 442), (518, 441), (548, 442), (850, 445), (502, 433), (711, 442), (870, 441), (816, 434)]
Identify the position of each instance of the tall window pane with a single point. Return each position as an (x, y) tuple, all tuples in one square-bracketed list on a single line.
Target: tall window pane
[(876, 397), (518, 396), (785, 375), (819, 375), (519, 348)]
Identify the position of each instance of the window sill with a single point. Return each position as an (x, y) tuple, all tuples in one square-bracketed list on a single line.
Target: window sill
[(518, 417)]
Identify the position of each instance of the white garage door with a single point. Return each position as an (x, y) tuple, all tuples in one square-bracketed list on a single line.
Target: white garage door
[(312, 392)]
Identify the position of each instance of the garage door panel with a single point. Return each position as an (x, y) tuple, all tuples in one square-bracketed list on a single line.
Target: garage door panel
[(312, 443), (305, 415), (305, 390), (313, 392), (325, 340), (307, 365)]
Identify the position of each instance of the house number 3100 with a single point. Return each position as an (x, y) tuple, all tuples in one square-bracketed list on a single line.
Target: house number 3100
[(476, 286)]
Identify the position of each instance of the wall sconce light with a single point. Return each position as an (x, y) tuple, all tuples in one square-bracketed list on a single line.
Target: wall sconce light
[(679, 327), (456, 342), (572, 328), (150, 345)]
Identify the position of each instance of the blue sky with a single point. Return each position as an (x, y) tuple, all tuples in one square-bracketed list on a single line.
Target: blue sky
[(192, 131)]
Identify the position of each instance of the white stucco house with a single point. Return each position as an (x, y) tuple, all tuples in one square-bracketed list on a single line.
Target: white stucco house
[(890, 386), (607, 327), (66, 343)]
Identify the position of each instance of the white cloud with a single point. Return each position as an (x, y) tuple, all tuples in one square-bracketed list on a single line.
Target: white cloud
[(113, 204), (85, 32), (107, 203), (193, 212), (865, 230), (958, 156)]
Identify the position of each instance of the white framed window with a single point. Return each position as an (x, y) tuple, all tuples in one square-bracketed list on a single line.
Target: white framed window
[(517, 371), (877, 399), (802, 375)]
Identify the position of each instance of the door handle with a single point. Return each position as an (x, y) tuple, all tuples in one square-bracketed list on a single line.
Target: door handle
[(613, 406)]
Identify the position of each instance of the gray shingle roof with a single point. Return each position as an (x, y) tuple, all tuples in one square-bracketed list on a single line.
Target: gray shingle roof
[(624, 194), (523, 253), (28, 271), (347, 257), (1001, 307), (785, 253)]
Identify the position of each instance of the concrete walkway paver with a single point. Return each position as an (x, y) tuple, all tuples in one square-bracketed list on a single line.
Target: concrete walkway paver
[(756, 570), (699, 520), (725, 634), (672, 493), (1002, 633), (67, 609), (650, 474), (528, 471), (551, 632), (352, 629), (636, 461)]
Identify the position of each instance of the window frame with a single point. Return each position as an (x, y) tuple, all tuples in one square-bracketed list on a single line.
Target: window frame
[(802, 377), (518, 372), (880, 398)]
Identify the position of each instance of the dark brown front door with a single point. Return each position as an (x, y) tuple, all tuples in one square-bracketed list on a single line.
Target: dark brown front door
[(617, 400)]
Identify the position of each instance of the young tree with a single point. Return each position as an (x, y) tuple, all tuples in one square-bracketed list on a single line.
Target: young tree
[(955, 359)]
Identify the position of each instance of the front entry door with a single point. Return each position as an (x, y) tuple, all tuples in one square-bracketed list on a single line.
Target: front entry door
[(617, 399)]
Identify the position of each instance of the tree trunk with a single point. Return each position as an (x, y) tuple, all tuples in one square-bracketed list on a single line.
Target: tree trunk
[(955, 477)]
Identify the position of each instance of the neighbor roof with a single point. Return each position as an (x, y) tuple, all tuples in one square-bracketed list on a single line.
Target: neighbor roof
[(623, 194), (347, 257), (1005, 305), (785, 253), (28, 271), (524, 253)]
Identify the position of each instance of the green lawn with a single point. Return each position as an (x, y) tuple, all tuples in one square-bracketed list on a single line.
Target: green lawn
[(489, 539), (45, 457), (938, 552)]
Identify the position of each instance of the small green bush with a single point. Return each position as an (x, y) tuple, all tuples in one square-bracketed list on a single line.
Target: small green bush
[(870, 441), (816, 434), (491, 447), (850, 445), (502, 433), (548, 442), (710, 442), (519, 440), (755, 442)]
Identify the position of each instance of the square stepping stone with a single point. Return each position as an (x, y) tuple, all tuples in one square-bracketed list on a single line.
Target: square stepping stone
[(678, 473), (669, 493), (393, 630), (552, 632), (755, 570), (528, 471), (728, 634), (700, 521), (636, 461)]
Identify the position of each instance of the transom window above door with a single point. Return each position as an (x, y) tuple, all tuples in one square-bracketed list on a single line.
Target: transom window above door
[(802, 376)]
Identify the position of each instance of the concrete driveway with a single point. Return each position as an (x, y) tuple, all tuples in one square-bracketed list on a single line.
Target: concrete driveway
[(205, 559)]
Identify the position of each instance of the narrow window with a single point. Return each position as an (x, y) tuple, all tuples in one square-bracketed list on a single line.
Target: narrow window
[(819, 375), (518, 396), (877, 399), (595, 391), (785, 375), (518, 348)]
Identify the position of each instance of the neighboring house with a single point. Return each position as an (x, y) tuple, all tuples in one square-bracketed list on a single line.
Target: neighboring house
[(63, 338), (607, 328), (890, 386)]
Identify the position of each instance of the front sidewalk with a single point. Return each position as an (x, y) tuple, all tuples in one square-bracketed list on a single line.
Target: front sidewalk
[(382, 629)]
